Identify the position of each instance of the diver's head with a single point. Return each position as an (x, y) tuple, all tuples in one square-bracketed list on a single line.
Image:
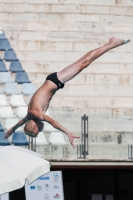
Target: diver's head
[(33, 127)]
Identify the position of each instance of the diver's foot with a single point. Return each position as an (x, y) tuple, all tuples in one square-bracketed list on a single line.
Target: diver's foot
[(117, 42)]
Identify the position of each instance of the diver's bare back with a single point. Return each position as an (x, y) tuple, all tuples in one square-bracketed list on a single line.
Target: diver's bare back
[(39, 103)]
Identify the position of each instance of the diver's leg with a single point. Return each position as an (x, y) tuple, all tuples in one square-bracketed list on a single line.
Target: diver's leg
[(72, 70)]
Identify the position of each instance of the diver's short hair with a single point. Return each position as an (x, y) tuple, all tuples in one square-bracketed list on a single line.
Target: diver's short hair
[(28, 129)]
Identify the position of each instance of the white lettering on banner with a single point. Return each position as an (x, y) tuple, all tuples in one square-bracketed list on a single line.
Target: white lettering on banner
[(46, 187)]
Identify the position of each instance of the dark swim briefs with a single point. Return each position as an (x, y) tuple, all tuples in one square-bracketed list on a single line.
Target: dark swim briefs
[(53, 77)]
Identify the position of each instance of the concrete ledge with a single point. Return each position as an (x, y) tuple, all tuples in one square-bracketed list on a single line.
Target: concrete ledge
[(110, 57), (91, 164), (65, 8), (64, 17), (115, 105), (92, 34), (97, 90), (95, 68), (90, 2), (61, 46)]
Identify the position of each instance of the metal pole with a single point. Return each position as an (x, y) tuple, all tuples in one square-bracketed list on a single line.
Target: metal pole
[(81, 136), (29, 143), (32, 143), (84, 136), (131, 152), (87, 137), (128, 151), (35, 145), (77, 151), (82, 149)]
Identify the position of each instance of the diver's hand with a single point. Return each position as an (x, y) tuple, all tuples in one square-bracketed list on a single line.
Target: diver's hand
[(9, 133), (71, 138)]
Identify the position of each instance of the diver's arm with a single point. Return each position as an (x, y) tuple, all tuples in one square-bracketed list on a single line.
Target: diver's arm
[(12, 129), (58, 126)]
